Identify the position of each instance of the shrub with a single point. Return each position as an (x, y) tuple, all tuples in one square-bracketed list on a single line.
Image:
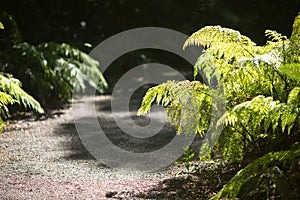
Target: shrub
[(261, 85), (48, 71)]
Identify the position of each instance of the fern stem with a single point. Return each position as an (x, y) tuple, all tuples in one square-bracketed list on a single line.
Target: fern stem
[(252, 138), (247, 51), (281, 76)]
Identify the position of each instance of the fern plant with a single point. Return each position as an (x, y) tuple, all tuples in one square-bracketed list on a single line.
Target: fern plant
[(252, 175), (48, 71), (71, 69), (261, 84), (185, 102), (11, 92), (5, 99), (12, 87), (52, 70), (259, 125)]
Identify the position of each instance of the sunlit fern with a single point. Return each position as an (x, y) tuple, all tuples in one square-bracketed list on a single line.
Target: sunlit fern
[(11, 92), (187, 104), (261, 84)]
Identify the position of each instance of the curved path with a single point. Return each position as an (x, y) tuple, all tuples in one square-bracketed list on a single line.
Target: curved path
[(45, 159)]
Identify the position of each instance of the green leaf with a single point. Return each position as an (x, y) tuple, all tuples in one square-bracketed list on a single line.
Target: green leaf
[(12, 87), (185, 101), (222, 42), (294, 97), (254, 169), (56, 70), (275, 36), (296, 29), (292, 70)]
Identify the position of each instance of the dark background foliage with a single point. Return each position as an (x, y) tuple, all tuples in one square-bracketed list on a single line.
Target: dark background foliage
[(91, 21)]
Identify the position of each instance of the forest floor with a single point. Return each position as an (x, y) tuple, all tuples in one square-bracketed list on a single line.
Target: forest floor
[(45, 159)]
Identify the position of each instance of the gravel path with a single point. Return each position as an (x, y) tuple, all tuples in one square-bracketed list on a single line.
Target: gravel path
[(45, 159)]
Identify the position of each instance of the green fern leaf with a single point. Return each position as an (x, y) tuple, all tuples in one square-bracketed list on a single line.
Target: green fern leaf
[(54, 70), (12, 87), (79, 67), (187, 104), (294, 97), (288, 119), (296, 29), (5, 99), (254, 169), (292, 70), (148, 99), (275, 36), (211, 35), (222, 42)]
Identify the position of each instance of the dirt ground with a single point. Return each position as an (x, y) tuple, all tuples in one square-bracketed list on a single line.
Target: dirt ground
[(44, 159)]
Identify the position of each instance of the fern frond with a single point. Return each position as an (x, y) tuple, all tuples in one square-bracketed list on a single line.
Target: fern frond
[(10, 93), (211, 35), (292, 70), (32, 56), (248, 122), (296, 29), (288, 119), (5, 99), (90, 67), (294, 97), (272, 58), (275, 36), (232, 151), (254, 110), (254, 169), (273, 117), (187, 104), (209, 67), (52, 70), (12, 87), (87, 68), (222, 42)]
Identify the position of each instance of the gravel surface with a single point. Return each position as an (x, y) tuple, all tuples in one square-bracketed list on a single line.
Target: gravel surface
[(45, 159)]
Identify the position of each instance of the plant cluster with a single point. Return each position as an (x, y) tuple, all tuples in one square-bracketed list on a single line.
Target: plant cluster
[(49, 72), (53, 71), (261, 126)]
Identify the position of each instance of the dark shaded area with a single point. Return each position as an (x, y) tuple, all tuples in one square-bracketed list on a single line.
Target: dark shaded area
[(143, 56), (134, 144), (117, 136), (210, 180), (114, 133), (201, 185), (91, 21), (73, 144)]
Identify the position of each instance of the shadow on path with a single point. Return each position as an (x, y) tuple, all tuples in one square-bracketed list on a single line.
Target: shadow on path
[(117, 136)]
